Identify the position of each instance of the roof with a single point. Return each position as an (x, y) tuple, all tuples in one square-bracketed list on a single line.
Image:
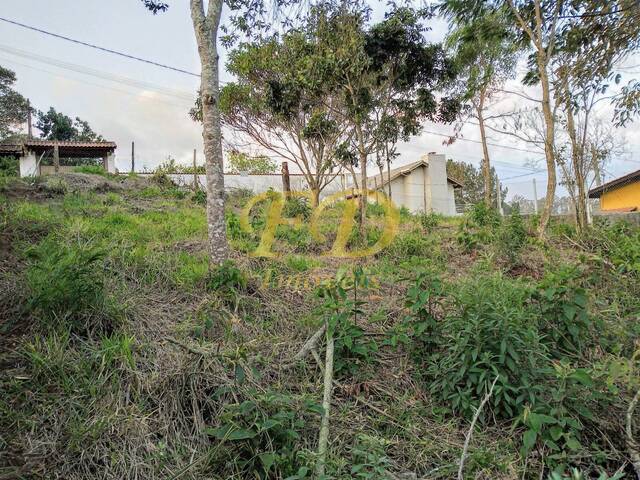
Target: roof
[(68, 144), (613, 184), (382, 180)]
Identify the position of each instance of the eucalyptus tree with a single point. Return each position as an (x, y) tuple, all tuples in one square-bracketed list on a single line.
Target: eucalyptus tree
[(486, 55), (246, 17)]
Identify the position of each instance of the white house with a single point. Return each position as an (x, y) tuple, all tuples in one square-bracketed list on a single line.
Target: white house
[(421, 186)]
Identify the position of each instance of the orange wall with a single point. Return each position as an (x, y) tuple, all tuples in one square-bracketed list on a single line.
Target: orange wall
[(622, 197)]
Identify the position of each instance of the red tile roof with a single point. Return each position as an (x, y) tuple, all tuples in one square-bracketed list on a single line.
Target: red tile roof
[(72, 144)]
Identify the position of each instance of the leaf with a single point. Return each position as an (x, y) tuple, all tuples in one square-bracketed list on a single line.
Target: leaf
[(267, 460), (555, 432), (269, 423), (529, 440), (581, 375), (239, 374), (569, 311), (227, 432), (574, 444)]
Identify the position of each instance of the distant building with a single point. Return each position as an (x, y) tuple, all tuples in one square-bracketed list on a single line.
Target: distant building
[(33, 154), (619, 195), (421, 186)]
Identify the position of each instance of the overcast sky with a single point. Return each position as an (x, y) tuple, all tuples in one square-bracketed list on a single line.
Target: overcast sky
[(127, 100)]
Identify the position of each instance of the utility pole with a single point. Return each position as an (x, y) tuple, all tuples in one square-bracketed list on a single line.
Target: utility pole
[(499, 199), (535, 197), (133, 157), (195, 172), (29, 129)]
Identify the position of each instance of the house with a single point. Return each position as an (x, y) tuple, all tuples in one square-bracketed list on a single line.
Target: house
[(33, 154), (619, 195), (421, 186)]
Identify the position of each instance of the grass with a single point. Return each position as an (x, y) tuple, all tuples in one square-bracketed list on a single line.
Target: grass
[(125, 350)]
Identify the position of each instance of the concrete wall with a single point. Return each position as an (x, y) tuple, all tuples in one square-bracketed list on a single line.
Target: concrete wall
[(626, 196), (438, 194), (28, 165)]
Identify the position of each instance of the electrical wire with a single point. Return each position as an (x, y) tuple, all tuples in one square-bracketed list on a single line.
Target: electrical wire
[(97, 47)]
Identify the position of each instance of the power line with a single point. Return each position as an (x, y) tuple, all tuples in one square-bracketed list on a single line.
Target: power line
[(497, 145), (523, 175), (182, 95), (97, 47)]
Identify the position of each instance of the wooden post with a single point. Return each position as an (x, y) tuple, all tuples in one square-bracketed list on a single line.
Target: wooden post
[(133, 157), (56, 157), (195, 172), (286, 181), (29, 128)]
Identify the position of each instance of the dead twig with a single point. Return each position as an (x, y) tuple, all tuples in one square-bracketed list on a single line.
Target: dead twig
[(308, 346), (463, 457)]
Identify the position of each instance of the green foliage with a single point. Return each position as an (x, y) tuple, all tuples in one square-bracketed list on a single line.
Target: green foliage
[(91, 169), (369, 460), (9, 167), (228, 281), (565, 320), (199, 197), (13, 106), (296, 207), (241, 162), (66, 283), (262, 433), (58, 126), (619, 242), (410, 244), (484, 216), (430, 221), (511, 237)]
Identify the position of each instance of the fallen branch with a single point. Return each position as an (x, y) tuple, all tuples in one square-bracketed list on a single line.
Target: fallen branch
[(306, 349), (467, 440), (323, 437), (632, 445)]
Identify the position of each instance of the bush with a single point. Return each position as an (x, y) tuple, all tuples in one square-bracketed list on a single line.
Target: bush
[(91, 169), (483, 215), (9, 167), (228, 281), (199, 197), (296, 206), (430, 221), (511, 237), (67, 283)]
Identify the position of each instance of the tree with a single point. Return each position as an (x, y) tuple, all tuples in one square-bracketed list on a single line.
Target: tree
[(279, 102), (485, 56), (472, 178), (13, 106), (386, 76), (246, 16), (241, 162), (55, 125)]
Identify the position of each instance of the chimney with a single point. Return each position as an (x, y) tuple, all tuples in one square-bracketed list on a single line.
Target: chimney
[(438, 198)]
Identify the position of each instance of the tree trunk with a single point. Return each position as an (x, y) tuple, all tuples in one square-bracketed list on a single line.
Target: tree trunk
[(386, 146), (206, 31), (549, 145), (486, 165), (323, 437), (577, 158)]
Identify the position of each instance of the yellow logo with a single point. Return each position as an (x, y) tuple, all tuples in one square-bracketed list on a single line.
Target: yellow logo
[(347, 222)]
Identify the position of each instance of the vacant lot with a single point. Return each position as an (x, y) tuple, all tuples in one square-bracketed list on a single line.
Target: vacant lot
[(124, 357)]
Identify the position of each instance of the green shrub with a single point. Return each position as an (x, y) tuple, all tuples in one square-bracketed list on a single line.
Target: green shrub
[(430, 221), (67, 283), (620, 243), (9, 167), (511, 237), (296, 207), (410, 244), (228, 281), (199, 197), (90, 169), (487, 333), (483, 215)]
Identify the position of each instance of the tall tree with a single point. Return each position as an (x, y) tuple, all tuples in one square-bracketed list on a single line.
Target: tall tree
[(485, 55), (246, 16), (13, 106), (279, 102), (55, 125), (473, 179)]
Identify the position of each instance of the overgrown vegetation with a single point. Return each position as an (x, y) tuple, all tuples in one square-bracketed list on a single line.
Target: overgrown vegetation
[(122, 341)]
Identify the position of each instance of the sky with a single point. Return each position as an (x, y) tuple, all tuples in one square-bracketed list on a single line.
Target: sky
[(130, 101)]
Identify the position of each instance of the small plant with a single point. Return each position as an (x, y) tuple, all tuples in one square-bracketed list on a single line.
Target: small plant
[(228, 281), (199, 197), (66, 282), (369, 459), (483, 215), (9, 167), (90, 169), (511, 237), (430, 221)]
